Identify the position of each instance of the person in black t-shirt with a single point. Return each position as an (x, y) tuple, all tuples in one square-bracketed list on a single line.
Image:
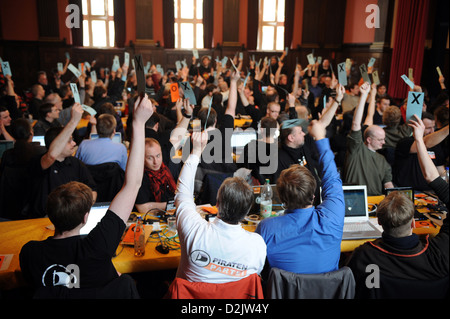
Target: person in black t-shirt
[(68, 209)]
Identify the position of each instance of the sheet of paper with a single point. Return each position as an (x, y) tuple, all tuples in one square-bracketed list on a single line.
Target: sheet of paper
[(188, 93), (116, 64), (76, 94), (364, 74), (371, 62), (174, 92), (415, 105), (408, 81), (6, 69), (94, 76), (342, 74), (310, 58), (375, 78), (126, 59), (60, 66), (74, 70), (140, 75), (88, 109)]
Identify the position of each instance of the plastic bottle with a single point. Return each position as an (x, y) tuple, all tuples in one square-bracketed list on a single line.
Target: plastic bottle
[(139, 238), (266, 200)]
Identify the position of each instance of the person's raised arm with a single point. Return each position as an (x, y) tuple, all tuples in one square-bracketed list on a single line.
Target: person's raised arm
[(357, 116), (429, 170), (59, 143), (330, 112), (232, 98), (371, 108), (123, 202), (432, 139), (179, 132)]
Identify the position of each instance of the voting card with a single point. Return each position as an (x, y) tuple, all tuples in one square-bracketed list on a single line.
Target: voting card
[(195, 54), (408, 81), (438, 69), (60, 67), (174, 92), (94, 77), (88, 109), (75, 93), (81, 67), (184, 64), (224, 61), (189, 93), (67, 56), (364, 74), (116, 64), (74, 70), (415, 105), (140, 75), (319, 59), (87, 65), (375, 78), (310, 58), (178, 65), (342, 74), (6, 68), (411, 74), (126, 59), (371, 62)]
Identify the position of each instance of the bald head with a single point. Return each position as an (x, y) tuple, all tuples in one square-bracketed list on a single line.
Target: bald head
[(374, 137)]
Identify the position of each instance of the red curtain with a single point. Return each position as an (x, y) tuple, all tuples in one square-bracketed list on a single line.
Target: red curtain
[(409, 45)]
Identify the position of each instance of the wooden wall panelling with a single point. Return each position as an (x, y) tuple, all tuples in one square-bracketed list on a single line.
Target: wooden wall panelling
[(47, 12), (144, 21), (231, 23)]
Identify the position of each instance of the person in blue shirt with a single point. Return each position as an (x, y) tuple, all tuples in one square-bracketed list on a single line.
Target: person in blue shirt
[(103, 149), (307, 238)]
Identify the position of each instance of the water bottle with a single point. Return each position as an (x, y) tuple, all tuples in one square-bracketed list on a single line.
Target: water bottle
[(139, 238), (266, 200)]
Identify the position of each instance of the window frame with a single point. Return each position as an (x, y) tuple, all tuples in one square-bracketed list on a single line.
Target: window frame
[(275, 24), (177, 25), (89, 17)]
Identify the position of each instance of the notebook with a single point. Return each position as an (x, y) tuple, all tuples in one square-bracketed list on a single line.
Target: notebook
[(98, 210), (117, 138), (40, 139), (356, 222)]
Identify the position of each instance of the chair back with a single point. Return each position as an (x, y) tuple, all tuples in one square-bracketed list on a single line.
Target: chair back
[(339, 284), (109, 178), (246, 288)]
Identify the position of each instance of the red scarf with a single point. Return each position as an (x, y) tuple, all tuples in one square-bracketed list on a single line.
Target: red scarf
[(161, 181)]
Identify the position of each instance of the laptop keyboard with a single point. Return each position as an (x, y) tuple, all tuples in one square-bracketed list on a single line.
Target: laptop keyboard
[(357, 227)]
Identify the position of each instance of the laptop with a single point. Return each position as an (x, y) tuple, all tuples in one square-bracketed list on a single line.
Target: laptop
[(356, 222), (98, 210), (409, 192), (117, 138), (242, 138), (276, 202), (40, 139), (4, 146)]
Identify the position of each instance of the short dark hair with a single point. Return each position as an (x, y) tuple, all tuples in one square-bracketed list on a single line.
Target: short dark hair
[(21, 129), (234, 200), (67, 205), (51, 134), (44, 109), (269, 124), (203, 116), (296, 187), (106, 124), (395, 213)]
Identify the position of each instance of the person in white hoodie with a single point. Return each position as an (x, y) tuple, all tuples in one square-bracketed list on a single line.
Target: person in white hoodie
[(219, 251)]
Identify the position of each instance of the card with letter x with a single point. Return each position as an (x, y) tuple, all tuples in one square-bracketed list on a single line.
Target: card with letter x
[(415, 104)]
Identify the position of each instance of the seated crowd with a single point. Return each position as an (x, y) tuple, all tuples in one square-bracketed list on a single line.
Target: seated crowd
[(313, 136)]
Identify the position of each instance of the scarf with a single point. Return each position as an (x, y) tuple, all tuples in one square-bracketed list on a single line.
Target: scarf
[(161, 181)]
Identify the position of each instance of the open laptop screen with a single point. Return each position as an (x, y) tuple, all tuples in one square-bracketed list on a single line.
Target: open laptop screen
[(355, 198), (98, 210), (240, 139), (40, 139), (408, 191)]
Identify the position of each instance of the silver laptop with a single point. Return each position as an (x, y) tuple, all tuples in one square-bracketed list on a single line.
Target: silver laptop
[(39, 139), (356, 223), (98, 210)]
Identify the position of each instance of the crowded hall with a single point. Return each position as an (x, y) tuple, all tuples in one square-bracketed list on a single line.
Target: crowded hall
[(237, 150)]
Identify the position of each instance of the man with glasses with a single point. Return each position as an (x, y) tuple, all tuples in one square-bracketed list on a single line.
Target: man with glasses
[(364, 166)]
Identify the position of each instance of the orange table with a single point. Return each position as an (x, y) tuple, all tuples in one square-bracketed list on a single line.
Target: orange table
[(15, 234)]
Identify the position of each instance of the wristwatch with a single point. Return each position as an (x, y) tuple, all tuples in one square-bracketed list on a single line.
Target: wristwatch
[(187, 116)]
